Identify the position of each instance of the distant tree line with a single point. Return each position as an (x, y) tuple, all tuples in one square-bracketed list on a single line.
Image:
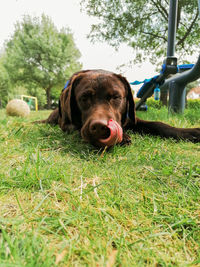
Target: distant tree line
[(38, 58)]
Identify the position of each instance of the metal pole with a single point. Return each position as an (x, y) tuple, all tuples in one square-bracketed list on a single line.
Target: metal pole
[(185, 77), (199, 8), (177, 91), (172, 21)]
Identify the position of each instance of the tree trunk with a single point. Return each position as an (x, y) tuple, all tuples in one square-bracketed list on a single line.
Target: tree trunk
[(163, 97), (48, 90)]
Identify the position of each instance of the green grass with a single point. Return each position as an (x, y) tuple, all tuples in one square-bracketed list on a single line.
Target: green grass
[(64, 203)]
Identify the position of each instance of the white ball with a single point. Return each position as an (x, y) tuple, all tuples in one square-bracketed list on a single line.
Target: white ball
[(17, 107)]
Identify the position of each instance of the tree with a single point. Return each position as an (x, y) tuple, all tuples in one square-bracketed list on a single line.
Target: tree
[(5, 85), (143, 25), (39, 55)]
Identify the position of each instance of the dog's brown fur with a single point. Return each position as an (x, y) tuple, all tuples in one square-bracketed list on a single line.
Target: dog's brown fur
[(93, 97)]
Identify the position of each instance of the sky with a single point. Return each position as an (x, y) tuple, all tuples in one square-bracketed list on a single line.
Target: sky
[(66, 13)]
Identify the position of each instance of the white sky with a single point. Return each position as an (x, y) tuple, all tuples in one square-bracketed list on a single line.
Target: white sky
[(66, 13)]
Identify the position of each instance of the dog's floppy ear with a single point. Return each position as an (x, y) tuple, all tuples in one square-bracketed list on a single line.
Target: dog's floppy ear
[(59, 109), (69, 112), (130, 109), (74, 110)]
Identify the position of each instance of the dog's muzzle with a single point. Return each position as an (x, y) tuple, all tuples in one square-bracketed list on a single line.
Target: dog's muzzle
[(106, 133)]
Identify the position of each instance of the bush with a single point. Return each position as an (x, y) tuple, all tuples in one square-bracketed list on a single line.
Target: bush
[(153, 103), (193, 104)]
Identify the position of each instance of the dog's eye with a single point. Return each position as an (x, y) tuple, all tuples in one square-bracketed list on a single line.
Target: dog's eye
[(116, 97), (84, 98)]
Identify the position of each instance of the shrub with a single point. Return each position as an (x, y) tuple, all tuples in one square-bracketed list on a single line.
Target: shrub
[(153, 103), (193, 104)]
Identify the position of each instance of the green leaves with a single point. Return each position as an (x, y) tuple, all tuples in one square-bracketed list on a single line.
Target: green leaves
[(143, 25), (39, 54)]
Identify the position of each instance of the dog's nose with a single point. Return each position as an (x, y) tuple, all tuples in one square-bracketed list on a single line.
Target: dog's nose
[(99, 129)]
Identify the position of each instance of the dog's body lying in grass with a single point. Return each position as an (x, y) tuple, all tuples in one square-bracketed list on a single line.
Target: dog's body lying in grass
[(100, 104)]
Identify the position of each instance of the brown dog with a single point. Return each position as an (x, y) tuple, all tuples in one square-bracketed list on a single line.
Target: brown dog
[(100, 104)]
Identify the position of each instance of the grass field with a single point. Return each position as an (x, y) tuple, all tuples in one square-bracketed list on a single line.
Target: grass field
[(64, 203)]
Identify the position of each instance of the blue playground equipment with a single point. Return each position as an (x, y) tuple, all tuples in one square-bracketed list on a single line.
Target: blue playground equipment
[(182, 74)]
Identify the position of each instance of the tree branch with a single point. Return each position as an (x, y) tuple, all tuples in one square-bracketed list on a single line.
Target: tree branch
[(178, 16), (181, 41), (161, 9), (155, 35)]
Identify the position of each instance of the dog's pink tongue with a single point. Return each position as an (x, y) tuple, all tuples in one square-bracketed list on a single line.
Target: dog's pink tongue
[(116, 134)]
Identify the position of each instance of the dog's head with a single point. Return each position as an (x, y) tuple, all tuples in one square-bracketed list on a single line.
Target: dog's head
[(98, 103)]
